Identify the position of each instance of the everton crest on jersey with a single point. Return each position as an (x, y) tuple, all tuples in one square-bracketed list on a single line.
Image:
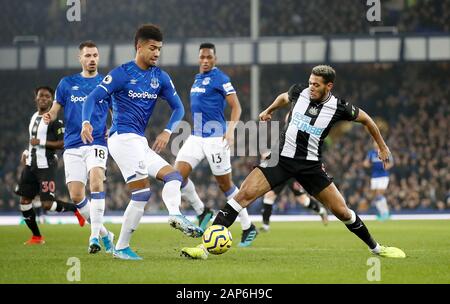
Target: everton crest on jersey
[(134, 93)]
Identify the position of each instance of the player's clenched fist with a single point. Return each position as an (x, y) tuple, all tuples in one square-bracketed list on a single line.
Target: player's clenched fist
[(384, 155), (265, 116)]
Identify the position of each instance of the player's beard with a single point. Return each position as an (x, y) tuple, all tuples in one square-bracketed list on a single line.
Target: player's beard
[(318, 99), (322, 96), (92, 69)]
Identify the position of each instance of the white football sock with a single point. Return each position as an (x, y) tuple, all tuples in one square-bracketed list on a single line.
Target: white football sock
[(132, 216), (84, 209), (131, 219), (97, 211), (245, 219), (103, 231), (269, 200), (235, 205), (53, 207), (171, 196), (189, 194), (381, 205), (377, 249), (384, 205)]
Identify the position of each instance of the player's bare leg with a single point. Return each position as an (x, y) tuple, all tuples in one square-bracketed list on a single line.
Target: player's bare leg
[(249, 231), (254, 186), (334, 201)]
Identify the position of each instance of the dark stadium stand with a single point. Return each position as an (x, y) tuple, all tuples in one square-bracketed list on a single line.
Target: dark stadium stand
[(278, 18), (413, 120), (409, 100)]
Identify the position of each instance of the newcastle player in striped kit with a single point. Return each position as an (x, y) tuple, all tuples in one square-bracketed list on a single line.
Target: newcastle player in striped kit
[(315, 111), (38, 176)]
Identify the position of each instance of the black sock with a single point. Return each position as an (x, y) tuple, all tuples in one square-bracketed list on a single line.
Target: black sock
[(266, 213), (313, 205), (30, 219), (226, 216), (362, 232), (64, 207)]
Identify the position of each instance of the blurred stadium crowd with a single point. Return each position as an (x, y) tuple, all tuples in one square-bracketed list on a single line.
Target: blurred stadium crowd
[(114, 20), (410, 101)]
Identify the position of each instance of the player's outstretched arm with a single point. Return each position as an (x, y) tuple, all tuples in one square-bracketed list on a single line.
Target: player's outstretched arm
[(52, 114), (383, 153), (281, 101)]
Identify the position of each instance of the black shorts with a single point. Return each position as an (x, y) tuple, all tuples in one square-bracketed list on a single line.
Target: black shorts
[(294, 185), (35, 181), (310, 174)]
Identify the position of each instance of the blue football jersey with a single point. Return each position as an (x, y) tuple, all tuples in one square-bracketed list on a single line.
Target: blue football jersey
[(134, 93), (377, 169), (71, 93), (208, 103)]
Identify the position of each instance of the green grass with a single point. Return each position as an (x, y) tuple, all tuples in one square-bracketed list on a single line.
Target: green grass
[(302, 252)]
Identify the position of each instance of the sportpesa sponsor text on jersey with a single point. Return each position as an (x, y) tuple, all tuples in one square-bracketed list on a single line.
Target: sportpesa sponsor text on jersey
[(71, 93)]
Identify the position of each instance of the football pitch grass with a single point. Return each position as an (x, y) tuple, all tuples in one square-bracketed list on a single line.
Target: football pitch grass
[(291, 253)]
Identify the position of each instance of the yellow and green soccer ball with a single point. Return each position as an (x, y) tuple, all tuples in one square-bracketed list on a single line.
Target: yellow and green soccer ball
[(217, 239)]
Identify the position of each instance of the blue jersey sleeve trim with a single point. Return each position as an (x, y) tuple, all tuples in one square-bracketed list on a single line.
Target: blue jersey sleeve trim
[(103, 87)]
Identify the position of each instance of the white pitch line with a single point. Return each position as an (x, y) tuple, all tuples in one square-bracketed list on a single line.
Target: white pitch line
[(6, 220)]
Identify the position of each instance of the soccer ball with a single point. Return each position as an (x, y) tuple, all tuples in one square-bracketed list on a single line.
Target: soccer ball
[(217, 239)]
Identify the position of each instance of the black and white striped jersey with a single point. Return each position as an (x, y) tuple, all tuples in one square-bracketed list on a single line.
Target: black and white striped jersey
[(39, 156), (309, 124)]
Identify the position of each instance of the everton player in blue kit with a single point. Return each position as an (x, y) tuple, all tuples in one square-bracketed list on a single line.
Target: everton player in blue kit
[(315, 110), (134, 88), (210, 93), (85, 160), (379, 181)]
